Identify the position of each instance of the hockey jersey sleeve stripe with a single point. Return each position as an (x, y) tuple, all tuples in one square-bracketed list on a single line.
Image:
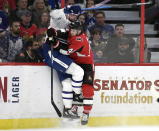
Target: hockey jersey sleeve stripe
[(57, 60)]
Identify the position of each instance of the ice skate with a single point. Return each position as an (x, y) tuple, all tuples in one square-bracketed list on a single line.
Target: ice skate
[(74, 109), (68, 113), (84, 119)]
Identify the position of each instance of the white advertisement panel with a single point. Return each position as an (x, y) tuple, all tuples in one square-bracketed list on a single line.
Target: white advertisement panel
[(119, 91), (25, 92), (126, 91)]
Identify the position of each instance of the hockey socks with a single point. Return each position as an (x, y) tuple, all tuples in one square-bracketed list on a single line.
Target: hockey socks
[(88, 92)]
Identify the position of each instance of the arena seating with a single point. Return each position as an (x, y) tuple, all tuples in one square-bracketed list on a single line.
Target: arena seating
[(130, 17)]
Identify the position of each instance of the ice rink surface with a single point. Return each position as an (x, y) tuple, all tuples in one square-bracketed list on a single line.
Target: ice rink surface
[(84, 128), (67, 125)]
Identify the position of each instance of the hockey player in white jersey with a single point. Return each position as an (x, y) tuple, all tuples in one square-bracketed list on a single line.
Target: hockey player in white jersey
[(60, 18), (70, 74)]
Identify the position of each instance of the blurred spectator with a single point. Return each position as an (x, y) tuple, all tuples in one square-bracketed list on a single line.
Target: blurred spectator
[(97, 42), (89, 3), (122, 54), (28, 30), (4, 21), (69, 2), (43, 23), (37, 9), (30, 2), (75, 2), (4, 36), (12, 4), (114, 39), (90, 14), (40, 39), (99, 57), (2, 4), (82, 18), (7, 5), (15, 41), (44, 20), (98, 46), (21, 6), (136, 52), (152, 12), (152, 15), (29, 54), (107, 29)]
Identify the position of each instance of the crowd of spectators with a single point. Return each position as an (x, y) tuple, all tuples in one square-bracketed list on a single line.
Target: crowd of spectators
[(28, 21)]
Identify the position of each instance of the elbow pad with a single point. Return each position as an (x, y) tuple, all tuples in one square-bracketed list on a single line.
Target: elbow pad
[(64, 52)]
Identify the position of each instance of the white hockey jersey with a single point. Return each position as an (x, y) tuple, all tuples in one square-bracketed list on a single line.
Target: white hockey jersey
[(58, 19)]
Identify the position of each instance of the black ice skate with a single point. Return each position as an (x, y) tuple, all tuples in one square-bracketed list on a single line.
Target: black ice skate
[(84, 119), (68, 113), (77, 99)]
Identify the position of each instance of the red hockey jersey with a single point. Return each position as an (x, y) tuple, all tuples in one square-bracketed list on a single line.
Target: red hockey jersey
[(80, 50)]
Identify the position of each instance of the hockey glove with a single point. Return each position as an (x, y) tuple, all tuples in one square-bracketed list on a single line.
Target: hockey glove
[(51, 32)]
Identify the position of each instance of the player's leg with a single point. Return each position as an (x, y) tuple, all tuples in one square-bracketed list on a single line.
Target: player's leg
[(67, 96), (88, 92), (66, 65), (77, 77), (63, 63)]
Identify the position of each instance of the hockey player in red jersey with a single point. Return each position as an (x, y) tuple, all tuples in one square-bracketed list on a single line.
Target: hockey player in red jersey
[(80, 51)]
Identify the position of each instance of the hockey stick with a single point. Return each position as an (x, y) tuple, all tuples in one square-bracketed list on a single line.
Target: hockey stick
[(117, 6), (52, 97), (61, 40), (101, 3)]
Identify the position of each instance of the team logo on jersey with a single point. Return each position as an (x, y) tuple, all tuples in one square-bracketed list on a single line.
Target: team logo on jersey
[(79, 39)]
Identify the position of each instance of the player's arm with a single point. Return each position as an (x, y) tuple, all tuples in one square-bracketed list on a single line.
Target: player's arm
[(57, 38), (53, 19), (75, 45)]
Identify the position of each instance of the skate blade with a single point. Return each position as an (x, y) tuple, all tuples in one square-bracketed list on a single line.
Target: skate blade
[(84, 123), (69, 123), (65, 117), (68, 120)]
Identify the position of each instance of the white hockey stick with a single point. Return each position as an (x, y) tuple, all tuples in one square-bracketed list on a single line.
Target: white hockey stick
[(101, 3), (118, 6)]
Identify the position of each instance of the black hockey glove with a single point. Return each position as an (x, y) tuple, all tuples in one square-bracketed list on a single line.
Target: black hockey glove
[(51, 32)]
